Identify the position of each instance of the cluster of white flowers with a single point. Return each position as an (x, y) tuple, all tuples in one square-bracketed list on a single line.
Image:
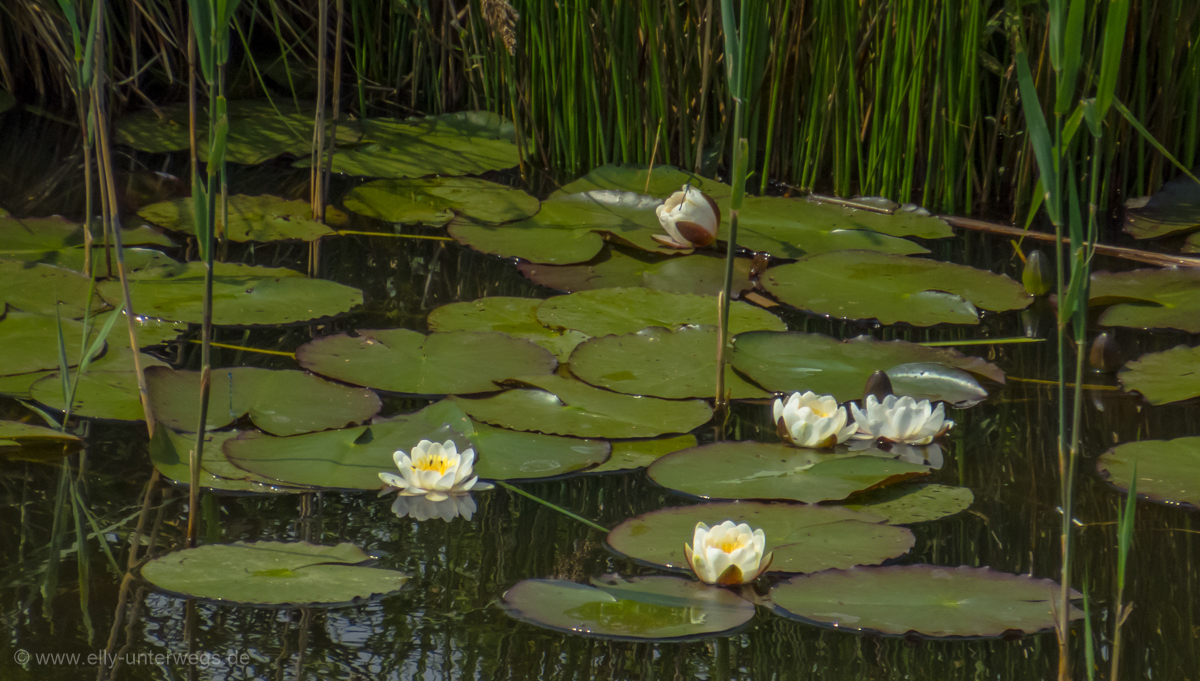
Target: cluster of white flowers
[(817, 421)]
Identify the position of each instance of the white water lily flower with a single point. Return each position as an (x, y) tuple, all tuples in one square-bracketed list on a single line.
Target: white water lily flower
[(421, 508), (812, 420), (434, 471), (690, 218), (900, 419), (727, 554)]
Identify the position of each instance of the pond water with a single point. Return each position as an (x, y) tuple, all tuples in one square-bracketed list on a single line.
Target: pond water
[(446, 622)]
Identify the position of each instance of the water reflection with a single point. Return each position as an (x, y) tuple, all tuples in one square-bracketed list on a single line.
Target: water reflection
[(421, 508)]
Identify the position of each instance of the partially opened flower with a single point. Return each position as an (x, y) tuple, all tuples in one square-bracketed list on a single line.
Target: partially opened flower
[(727, 554), (900, 419), (434, 471), (690, 217), (812, 420), (421, 508)]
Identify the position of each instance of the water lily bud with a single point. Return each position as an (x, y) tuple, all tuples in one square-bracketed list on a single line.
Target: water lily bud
[(1105, 356), (690, 218), (1037, 276), (878, 385)]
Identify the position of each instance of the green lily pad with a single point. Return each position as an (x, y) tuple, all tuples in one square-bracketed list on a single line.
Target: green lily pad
[(72, 259), (149, 331), (661, 181), (796, 362), (1174, 208), (1166, 298), (891, 288), (243, 295), (403, 361), (435, 201), (39, 238), (803, 538), (107, 390), (1167, 470), (927, 599), (654, 608), (30, 342), (700, 273), (630, 455), (1163, 377), (170, 452), (1192, 245), (516, 317), (915, 502), (258, 130), (40, 289), (754, 470), (792, 228), (659, 362), (15, 435), (279, 402), (625, 310), (353, 458), (272, 573), (251, 218), (563, 406)]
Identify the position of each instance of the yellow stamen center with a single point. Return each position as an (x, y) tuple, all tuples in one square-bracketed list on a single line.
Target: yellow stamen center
[(730, 543), (433, 462)]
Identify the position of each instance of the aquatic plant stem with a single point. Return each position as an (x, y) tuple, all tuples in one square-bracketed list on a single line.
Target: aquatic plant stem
[(595, 526)]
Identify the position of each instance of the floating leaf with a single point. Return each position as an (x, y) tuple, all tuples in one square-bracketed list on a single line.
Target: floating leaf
[(1162, 377), (927, 599), (791, 228), (654, 608), (700, 273), (890, 288), (660, 181), (435, 201), (107, 390), (796, 362), (563, 406), (40, 289), (529, 240), (272, 573), (633, 454), (353, 458), (516, 317), (29, 343), (803, 538), (1167, 298), (38, 238), (251, 218), (915, 502), (170, 453), (245, 295), (1167, 470), (754, 470), (625, 310), (259, 130), (399, 360), (1174, 208), (659, 362), (72, 259), (15, 435)]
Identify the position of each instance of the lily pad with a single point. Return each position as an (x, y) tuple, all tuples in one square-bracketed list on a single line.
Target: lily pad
[(40, 289), (891, 288), (516, 317), (1163, 377), (399, 360), (170, 452), (251, 218), (659, 362), (660, 181), (243, 295), (1174, 208), (630, 455), (72, 259), (794, 361), (29, 342), (927, 599), (792, 228), (279, 402), (1167, 298), (1167, 470), (272, 573), (105, 391), (915, 502), (700, 273), (15, 434), (435, 201), (465, 143), (754, 470), (32, 238), (625, 310), (352, 458), (259, 130), (654, 608), (563, 406), (803, 538)]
